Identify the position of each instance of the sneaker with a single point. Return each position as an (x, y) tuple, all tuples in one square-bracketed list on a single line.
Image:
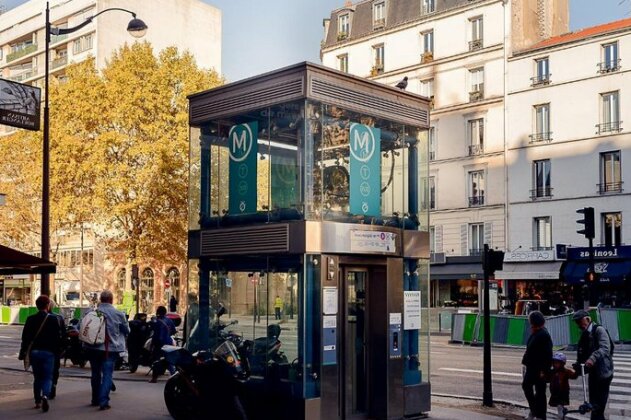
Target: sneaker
[(104, 407), (113, 388), (44, 404)]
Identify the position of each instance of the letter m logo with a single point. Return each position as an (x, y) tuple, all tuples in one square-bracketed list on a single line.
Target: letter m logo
[(238, 142)]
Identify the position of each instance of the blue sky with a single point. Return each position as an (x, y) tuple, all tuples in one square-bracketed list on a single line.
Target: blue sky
[(262, 35)]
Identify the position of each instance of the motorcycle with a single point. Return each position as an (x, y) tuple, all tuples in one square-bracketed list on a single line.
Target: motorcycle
[(205, 382), (139, 342), (73, 347), (264, 353)]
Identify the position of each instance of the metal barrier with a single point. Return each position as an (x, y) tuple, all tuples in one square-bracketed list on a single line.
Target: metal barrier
[(17, 315), (609, 320), (444, 321), (457, 327)]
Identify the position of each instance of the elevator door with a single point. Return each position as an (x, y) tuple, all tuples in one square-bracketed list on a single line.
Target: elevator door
[(365, 350)]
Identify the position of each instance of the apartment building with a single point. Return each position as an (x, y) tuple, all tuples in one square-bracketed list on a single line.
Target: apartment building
[(191, 25), (454, 52), (568, 142)]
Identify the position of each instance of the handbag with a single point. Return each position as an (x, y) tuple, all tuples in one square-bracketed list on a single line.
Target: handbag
[(27, 356)]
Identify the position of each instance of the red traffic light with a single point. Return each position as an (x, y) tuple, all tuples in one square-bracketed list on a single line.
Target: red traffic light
[(591, 277)]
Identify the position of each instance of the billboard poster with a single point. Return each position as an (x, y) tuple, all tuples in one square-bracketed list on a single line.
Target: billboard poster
[(19, 105), (365, 165), (243, 148), (284, 180)]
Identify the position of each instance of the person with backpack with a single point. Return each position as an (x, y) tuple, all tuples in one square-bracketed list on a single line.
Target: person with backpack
[(41, 342), (163, 329), (103, 332), (595, 350)]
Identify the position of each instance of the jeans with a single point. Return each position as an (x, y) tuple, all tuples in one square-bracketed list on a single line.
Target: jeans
[(102, 370), (598, 395), (277, 313), (42, 362), (537, 398)]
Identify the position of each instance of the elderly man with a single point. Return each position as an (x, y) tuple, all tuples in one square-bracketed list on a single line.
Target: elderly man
[(595, 351), (102, 357), (537, 361)]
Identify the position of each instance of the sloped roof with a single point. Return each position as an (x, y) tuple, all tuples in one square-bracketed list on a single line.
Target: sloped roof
[(583, 34)]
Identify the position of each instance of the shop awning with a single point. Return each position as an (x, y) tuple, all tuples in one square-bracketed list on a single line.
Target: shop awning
[(613, 272), (469, 271), (548, 270), (16, 262)]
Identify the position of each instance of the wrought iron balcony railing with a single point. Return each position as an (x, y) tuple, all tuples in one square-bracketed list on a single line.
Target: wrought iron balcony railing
[(477, 200), (541, 192), (609, 66), (476, 149), (476, 44), (540, 80), (609, 127), (538, 137), (609, 187), (476, 95)]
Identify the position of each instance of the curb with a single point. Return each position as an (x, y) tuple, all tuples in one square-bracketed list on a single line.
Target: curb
[(500, 401)]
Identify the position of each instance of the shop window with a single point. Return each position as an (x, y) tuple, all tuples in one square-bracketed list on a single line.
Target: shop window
[(612, 229), (542, 234)]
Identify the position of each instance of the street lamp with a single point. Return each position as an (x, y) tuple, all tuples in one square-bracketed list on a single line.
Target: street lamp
[(137, 28)]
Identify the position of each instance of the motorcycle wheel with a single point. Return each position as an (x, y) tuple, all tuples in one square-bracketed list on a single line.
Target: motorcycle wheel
[(180, 402), (133, 367)]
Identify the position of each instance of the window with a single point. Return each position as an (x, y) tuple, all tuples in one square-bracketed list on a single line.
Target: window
[(542, 124), (378, 59), (542, 68), (476, 34), (476, 188), (174, 278), (542, 238), (610, 113), (379, 14), (432, 239), (429, 6), (476, 136), (342, 63), (541, 179), (429, 193), (343, 25), (612, 229), (477, 84), (476, 238), (431, 134), (83, 44), (610, 172), (610, 62), (428, 46), (146, 290)]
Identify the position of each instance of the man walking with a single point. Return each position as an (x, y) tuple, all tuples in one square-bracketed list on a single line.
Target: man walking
[(102, 357), (278, 307), (163, 329), (62, 347), (595, 351), (537, 361)]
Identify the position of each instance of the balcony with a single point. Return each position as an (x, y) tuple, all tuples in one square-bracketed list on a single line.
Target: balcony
[(379, 23), (476, 252), (22, 76), (476, 44), (21, 53), (58, 62), (427, 57), (477, 200), (610, 187), (609, 127), (57, 38), (476, 95), (476, 149), (609, 66), (539, 137), (540, 80), (541, 192), (341, 36)]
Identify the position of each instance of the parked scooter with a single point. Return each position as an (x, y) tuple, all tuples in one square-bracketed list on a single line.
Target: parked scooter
[(205, 383), (265, 351), (139, 342), (73, 347)]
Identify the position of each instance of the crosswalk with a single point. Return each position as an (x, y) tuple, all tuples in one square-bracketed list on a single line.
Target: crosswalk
[(620, 391)]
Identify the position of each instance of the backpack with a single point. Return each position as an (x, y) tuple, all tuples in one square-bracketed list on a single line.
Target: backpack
[(92, 329), (595, 340)]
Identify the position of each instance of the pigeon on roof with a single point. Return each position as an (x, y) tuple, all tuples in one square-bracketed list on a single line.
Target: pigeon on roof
[(403, 83)]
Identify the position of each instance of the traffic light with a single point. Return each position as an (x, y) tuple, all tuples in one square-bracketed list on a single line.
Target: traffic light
[(587, 221), (493, 260), (591, 277)]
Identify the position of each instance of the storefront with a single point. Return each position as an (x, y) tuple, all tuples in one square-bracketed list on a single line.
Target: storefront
[(305, 221), (455, 282), (18, 283)]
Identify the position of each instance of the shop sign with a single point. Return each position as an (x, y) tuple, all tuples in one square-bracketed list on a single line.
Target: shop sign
[(365, 168), (243, 147), (518, 256), (19, 105), (372, 241), (615, 252)]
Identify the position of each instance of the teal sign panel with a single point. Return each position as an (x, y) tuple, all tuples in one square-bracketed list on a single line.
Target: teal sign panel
[(284, 179), (243, 147), (365, 165)]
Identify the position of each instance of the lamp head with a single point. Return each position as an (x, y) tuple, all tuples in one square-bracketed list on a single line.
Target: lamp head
[(137, 28)]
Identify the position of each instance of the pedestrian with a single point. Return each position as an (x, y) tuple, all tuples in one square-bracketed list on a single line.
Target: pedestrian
[(102, 357), (278, 306), (163, 329), (595, 350), (41, 342), (173, 304), (560, 383), (62, 348), (537, 361)]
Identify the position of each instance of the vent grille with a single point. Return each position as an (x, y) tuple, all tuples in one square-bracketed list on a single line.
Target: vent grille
[(252, 99), (251, 240), (373, 104)]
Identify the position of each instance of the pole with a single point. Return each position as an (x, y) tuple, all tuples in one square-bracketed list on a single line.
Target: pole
[(590, 284), (81, 268), (487, 396), (45, 278)]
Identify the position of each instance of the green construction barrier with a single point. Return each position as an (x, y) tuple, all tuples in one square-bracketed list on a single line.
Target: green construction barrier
[(516, 328), (23, 314), (77, 313), (5, 315), (624, 325), (481, 329), (469, 327)]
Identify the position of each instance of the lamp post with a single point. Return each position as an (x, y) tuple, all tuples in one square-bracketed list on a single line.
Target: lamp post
[(137, 28)]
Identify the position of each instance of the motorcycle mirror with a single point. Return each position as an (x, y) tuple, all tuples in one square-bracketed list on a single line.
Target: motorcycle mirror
[(221, 312)]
